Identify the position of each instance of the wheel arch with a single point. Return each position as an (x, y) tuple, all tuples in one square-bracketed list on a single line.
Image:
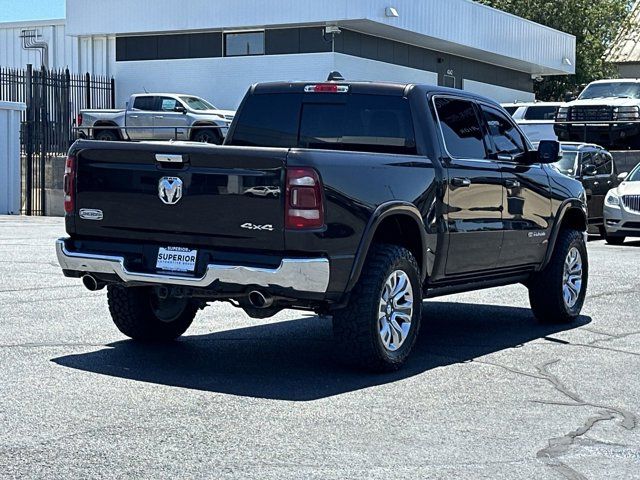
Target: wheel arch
[(571, 214), (204, 123), (401, 219), (106, 123)]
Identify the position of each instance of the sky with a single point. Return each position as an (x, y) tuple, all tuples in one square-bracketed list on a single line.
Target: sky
[(23, 10)]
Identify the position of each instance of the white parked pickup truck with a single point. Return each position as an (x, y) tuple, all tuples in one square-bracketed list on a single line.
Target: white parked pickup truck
[(158, 116)]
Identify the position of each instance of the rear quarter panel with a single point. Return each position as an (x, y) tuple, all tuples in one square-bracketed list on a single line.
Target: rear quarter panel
[(355, 185)]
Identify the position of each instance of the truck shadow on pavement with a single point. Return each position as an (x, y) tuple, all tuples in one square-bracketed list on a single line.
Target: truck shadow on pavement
[(295, 360)]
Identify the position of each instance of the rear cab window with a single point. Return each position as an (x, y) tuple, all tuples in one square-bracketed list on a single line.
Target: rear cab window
[(460, 127), (145, 103), (355, 122), (541, 113)]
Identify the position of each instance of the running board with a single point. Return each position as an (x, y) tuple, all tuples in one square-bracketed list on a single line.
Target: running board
[(439, 291)]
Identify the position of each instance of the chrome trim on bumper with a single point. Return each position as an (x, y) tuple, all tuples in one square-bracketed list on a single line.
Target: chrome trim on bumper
[(301, 274)]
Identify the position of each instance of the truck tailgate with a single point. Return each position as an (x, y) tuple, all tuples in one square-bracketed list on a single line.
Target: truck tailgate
[(181, 194)]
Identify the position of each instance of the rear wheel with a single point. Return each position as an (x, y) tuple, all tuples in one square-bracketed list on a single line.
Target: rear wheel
[(106, 136), (557, 293), (379, 326), (141, 314), (207, 136)]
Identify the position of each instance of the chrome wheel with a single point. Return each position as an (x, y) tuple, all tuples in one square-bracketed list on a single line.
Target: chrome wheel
[(572, 278), (395, 310)]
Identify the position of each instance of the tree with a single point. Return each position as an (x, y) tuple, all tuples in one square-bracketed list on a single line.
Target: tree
[(595, 24)]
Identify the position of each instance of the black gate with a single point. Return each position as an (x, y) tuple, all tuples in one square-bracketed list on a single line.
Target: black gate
[(53, 99)]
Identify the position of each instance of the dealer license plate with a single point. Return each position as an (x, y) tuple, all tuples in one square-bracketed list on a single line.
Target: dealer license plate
[(176, 259)]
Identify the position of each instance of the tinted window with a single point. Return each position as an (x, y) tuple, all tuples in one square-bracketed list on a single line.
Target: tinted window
[(601, 160), (460, 128), (373, 123), (540, 113), (268, 121), (144, 103), (505, 136), (248, 43), (511, 110)]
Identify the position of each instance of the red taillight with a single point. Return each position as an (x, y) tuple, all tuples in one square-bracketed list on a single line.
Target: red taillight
[(69, 184), (79, 119), (304, 209), (326, 88)]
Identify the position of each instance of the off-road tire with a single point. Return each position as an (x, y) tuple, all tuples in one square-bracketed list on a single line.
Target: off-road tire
[(546, 287), (106, 136), (207, 136), (355, 327), (132, 312)]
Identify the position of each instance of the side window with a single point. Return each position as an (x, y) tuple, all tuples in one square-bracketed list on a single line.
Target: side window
[(541, 113), (586, 158), (505, 136), (168, 104), (603, 163), (460, 128), (145, 103)]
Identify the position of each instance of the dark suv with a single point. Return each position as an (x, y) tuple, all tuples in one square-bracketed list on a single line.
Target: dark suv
[(595, 168), (381, 195)]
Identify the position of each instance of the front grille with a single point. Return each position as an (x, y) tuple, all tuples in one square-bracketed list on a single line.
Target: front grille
[(632, 202), (591, 114), (635, 225)]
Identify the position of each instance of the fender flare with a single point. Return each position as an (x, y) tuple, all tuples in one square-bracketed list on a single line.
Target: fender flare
[(572, 204), (381, 213)]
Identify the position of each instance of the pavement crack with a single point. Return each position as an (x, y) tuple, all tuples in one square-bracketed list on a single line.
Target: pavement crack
[(558, 446)]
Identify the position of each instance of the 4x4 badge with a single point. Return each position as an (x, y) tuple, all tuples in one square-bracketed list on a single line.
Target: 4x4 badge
[(251, 226), (170, 190)]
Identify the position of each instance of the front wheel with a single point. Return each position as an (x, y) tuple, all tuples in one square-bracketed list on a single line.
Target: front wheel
[(557, 293), (141, 314), (379, 326)]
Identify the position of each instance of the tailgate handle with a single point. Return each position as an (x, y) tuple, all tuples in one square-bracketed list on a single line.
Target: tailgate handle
[(168, 158)]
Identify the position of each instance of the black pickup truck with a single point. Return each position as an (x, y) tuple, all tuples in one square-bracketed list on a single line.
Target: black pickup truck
[(355, 200)]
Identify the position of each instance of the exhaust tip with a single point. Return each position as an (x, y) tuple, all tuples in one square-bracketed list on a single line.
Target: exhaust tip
[(260, 300), (91, 283)]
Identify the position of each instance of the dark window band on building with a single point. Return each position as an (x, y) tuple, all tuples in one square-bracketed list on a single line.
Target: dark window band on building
[(452, 70), (167, 47)]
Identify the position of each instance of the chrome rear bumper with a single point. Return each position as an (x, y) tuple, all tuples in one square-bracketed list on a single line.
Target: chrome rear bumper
[(300, 274)]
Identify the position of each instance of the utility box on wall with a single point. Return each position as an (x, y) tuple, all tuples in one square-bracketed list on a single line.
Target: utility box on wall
[(10, 113)]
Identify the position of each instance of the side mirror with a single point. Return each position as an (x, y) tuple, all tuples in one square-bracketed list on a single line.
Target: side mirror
[(622, 177), (589, 171), (548, 151), (180, 108)]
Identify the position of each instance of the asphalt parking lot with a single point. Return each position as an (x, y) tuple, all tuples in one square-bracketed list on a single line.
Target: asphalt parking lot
[(489, 393)]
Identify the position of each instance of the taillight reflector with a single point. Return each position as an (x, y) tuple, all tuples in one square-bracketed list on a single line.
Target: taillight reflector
[(69, 186), (304, 208)]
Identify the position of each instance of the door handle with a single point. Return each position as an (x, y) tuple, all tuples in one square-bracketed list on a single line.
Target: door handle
[(460, 182), (133, 116), (511, 183), (158, 116)]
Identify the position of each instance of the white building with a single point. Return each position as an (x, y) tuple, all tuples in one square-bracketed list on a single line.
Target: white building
[(216, 48)]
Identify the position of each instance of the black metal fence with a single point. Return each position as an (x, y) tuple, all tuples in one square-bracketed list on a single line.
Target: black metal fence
[(53, 99)]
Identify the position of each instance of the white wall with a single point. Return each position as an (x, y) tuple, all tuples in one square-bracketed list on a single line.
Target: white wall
[(10, 157), (93, 54), (499, 94), (455, 26), (224, 81)]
